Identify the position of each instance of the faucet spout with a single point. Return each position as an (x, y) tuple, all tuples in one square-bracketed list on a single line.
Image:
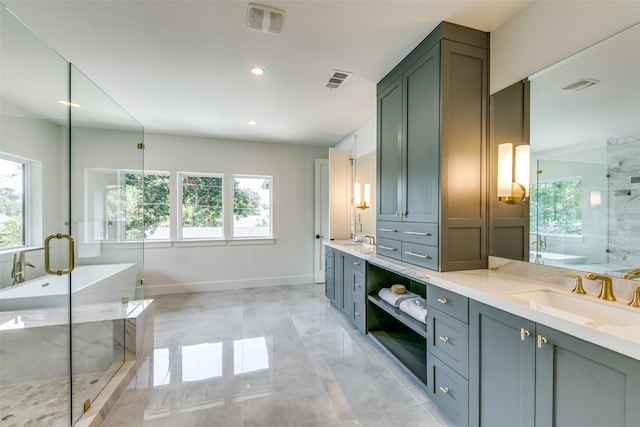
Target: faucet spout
[(20, 263), (606, 292), (632, 274), (372, 240)]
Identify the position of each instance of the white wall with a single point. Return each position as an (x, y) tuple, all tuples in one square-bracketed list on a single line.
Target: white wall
[(546, 32), (198, 268)]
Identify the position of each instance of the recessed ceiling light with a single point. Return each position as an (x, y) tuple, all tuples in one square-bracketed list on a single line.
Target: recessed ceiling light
[(68, 104), (253, 122), (258, 71)]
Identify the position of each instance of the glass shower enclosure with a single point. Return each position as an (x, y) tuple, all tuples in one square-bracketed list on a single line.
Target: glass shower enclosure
[(71, 232)]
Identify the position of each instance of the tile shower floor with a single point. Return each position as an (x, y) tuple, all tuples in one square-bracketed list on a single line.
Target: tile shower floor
[(271, 357)]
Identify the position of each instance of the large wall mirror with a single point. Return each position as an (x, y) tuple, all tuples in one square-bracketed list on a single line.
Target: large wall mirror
[(584, 131)]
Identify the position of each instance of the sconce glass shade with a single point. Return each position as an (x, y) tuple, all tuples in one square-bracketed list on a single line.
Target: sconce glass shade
[(357, 197), (505, 169), (595, 199), (367, 194)]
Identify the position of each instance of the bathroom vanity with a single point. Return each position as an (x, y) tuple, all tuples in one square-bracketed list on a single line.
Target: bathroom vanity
[(499, 349)]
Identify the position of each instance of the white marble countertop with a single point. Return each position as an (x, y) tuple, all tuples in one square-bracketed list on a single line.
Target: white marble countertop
[(500, 290)]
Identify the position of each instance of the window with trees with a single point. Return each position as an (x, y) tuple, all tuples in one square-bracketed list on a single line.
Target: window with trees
[(202, 206), (12, 202), (251, 206)]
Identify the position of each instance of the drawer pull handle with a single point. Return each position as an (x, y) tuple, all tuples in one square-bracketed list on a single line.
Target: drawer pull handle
[(417, 255), (417, 233), (389, 230), (442, 300), (445, 390), (444, 339), (387, 248), (541, 341), (356, 263), (524, 334)]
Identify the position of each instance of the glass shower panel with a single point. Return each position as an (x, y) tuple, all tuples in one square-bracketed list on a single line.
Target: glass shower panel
[(107, 217), (34, 203), (569, 215)]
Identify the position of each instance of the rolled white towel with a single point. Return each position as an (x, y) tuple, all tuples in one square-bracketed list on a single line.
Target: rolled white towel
[(416, 308), (394, 299)]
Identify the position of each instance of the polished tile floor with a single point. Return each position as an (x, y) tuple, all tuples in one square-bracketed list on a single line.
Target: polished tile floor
[(271, 357)]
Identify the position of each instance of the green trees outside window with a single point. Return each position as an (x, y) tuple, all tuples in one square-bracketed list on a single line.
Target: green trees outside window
[(556, 207)]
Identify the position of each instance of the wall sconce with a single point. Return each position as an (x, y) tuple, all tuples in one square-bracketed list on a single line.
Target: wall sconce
[(513, 191), (595, 199), (363, 204)]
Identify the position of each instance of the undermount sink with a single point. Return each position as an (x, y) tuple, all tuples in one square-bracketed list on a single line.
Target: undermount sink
[(582, 309)]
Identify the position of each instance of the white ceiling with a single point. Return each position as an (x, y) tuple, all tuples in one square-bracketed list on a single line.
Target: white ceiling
[(183, 67)]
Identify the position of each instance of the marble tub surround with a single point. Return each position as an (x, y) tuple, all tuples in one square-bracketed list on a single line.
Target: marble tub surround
[(497, 287), (276, 356)]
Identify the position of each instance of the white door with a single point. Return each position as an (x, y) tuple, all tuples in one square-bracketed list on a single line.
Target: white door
[(321, 215)]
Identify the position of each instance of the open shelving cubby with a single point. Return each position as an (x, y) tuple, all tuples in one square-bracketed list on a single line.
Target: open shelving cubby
[(396, 333)]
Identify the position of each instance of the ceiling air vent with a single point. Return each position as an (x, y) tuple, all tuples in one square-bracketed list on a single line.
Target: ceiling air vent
[(580, 84), (265, 19), (337, 79)]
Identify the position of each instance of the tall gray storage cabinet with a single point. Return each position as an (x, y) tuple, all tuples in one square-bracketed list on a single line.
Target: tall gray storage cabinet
[(432, 138)]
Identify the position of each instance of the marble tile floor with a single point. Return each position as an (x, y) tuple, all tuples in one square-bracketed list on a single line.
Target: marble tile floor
[(46, 402), (269, 357)]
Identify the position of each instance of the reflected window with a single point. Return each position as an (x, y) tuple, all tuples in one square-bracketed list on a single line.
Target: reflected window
[(201, 361), (252, 206), (161, 374), (556, 207), (201, 210), (12, 201), (250, 355), (127, 205)]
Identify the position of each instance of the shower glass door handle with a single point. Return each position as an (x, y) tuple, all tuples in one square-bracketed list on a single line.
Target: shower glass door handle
[(47, 254)]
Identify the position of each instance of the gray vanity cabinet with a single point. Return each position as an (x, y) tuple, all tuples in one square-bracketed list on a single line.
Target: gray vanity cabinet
[(432, 133), (329, 285), (345, 285), (527, 374)]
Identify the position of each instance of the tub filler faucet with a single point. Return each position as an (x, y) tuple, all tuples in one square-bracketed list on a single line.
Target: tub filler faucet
[(18, 271)]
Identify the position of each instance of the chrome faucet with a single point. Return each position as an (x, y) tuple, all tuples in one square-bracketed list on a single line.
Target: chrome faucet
[(632, 274), (606, 293), (372, 240), (18, 272)]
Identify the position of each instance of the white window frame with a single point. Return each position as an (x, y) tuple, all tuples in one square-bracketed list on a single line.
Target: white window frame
[(230, 210), (30, 229), (179, 201)]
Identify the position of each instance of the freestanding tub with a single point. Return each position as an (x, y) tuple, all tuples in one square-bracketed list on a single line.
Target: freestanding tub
[(89, 284)]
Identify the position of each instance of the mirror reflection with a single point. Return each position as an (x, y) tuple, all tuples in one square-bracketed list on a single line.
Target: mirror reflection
[(585, 150)]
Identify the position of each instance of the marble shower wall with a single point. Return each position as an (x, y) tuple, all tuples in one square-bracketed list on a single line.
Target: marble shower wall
[(623, 157)]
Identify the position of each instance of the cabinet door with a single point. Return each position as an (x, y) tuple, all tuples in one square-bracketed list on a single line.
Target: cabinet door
[(421, 86), (338, 279), (583, 385), (501, 368), (347, 285), (390, 152), (328, 273)]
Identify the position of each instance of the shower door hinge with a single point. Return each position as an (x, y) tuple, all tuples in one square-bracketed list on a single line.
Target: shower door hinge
[(87, 405), (141, 146)]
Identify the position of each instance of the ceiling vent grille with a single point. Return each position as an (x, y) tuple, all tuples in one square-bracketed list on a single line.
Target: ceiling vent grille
[(580, 84), (337, 79), (265, 19)]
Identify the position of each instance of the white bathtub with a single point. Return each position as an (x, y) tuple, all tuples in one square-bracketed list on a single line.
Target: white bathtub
[(89, 284)]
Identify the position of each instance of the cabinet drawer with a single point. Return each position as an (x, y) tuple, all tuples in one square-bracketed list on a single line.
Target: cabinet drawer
[(358, 284), (388, 230), (390, 248), (357, 264), (448, 390), (449, 302), (424, 233), (449, 340), (422, 255)]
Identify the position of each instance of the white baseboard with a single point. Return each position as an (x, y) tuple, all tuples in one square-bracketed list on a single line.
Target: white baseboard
[(151, 290)]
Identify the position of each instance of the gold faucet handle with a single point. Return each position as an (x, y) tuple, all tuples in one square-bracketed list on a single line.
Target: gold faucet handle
[(578, 289), (635, 302)]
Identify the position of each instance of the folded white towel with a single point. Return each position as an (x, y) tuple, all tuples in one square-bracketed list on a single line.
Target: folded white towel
[(416, 308), (394, 299)]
